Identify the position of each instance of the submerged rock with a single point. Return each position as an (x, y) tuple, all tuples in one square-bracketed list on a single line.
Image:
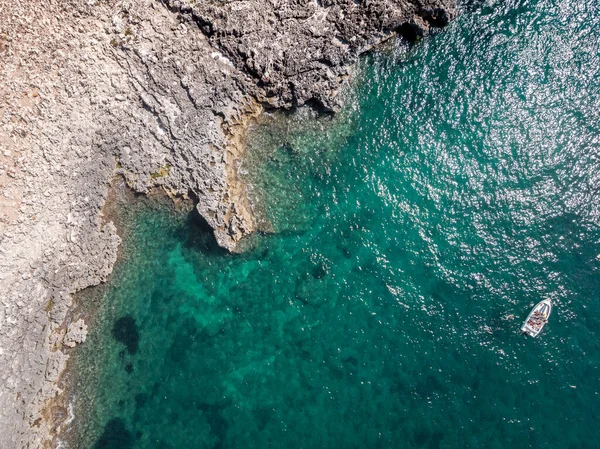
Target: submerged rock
[(125, 331), (115, 436)]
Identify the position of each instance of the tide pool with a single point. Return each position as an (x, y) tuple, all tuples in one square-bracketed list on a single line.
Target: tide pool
[(405, 240)]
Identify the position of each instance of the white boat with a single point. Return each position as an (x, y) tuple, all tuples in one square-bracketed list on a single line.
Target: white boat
[(537, 318)]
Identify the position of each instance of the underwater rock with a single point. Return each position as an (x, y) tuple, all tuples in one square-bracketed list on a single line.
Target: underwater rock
[(115, 436), (125, 331)]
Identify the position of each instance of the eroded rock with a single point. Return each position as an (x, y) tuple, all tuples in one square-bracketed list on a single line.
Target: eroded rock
[(76, 333), (90, 90)]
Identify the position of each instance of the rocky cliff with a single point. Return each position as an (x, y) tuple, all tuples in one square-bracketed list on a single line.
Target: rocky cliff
[(160, 93)]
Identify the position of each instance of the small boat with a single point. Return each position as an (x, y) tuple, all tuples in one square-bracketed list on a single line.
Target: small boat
[(537, 318)]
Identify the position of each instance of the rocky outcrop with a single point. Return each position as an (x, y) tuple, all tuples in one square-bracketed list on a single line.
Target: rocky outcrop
[(162, 96), (76, 333), (302, 51), (198, 82)]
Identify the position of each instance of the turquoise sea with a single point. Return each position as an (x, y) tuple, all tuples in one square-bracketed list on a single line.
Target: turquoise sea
[(405, 240)]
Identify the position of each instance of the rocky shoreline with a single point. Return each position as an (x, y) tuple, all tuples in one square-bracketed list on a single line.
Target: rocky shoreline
[(160, 94)]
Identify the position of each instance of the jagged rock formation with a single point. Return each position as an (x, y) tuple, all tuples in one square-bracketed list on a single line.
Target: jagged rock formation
[(162, 97), (301, 51)]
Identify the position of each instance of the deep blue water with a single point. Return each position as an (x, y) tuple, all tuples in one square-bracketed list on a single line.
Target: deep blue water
[(408, 238)]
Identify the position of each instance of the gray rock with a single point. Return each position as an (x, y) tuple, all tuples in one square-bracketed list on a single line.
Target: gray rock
[(302, 51), (76, 333)]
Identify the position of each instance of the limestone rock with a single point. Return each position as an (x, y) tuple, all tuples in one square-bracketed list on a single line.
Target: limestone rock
[(76, 333)]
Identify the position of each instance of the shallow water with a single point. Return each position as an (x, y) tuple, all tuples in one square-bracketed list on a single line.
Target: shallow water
[(458, 188)]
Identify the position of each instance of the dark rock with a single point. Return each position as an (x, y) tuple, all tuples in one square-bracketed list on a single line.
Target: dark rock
[(115, 436), (319, 271), (301, 51), (125, 331)]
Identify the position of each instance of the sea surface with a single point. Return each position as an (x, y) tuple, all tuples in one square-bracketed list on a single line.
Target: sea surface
[(404, 242)]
